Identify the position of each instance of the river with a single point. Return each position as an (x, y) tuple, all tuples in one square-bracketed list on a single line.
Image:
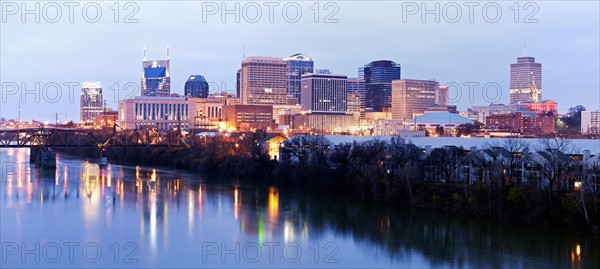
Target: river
[(79, 215)]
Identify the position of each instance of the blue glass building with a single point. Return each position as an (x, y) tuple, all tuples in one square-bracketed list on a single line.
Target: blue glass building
[(196, 86), (156, 77), (378, 77), (300, 64)]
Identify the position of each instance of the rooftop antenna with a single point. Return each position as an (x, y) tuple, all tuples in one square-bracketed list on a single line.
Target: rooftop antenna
[(524, 49), (144, 52), (167, 51)]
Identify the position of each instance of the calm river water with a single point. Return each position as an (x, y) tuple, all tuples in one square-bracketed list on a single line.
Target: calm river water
[(124, 216)]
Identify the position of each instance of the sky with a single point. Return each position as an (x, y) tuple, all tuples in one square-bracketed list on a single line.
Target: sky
[(43, 64)]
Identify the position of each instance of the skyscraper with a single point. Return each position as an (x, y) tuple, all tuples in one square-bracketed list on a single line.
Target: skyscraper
[(300, 64), (90, 102), (196, 86), (264, 81), (324, 93), (238, 76), (525, 80), (356, 97), (412, 97), (378, 77), (156, 77)]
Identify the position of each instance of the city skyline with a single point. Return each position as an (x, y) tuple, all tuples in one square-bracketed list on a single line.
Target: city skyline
[(458, 54)]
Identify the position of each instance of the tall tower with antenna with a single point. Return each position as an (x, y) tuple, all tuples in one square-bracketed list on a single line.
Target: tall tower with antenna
[(156, 76), (525, 80)]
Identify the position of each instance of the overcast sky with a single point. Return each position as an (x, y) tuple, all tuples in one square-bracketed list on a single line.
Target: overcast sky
[(562, 35)]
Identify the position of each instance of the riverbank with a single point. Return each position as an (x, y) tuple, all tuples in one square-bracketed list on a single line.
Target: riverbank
[(367, 182)]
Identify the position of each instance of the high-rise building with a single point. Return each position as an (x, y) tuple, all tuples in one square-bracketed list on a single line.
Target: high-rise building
[(441, 95), (525, 80), (156, 76), (590, 122), (356, 97), (90, 102), (300, 64), (238, 82), (324, 93), (361, 72), (378, 77), (196, 86), (412, 97), (264, 81)]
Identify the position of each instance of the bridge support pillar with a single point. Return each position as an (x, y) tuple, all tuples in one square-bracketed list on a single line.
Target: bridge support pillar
[(43, 157)]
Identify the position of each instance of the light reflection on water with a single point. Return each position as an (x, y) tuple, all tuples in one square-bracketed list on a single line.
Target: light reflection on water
[(173, 218)]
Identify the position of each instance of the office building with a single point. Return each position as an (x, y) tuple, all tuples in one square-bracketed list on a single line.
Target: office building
[(378, 77), (242, 117), (525, 80), (324, 93), (164, 113), (323, 122), (300, 64), (520, 122), (264, 81), (355, 100), (90, 102), (590, 122), (196, 86), (156, 77), (412, 97), (238, 90)]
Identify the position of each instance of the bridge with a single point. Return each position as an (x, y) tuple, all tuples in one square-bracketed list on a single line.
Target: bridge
[(41, 140)]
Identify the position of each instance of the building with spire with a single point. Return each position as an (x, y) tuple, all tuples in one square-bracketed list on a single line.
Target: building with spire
[(156, 76)]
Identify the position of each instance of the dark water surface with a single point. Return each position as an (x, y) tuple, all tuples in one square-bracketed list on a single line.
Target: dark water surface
[(122, 216)]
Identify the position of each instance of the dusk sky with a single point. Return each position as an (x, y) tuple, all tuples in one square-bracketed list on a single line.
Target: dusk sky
[(565, 39)]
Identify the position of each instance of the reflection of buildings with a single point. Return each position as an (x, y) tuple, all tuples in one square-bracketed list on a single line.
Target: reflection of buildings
[(265, 223)]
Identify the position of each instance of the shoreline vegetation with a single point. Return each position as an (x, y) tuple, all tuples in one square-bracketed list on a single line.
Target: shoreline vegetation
[(391, 173)]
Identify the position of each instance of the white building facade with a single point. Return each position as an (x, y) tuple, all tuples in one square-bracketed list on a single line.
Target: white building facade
[(164, 113)]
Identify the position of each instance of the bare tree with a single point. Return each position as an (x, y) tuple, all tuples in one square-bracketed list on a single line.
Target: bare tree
[(517, 149), (447, 161), (304, 148), (554, 163), (404, 158)]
